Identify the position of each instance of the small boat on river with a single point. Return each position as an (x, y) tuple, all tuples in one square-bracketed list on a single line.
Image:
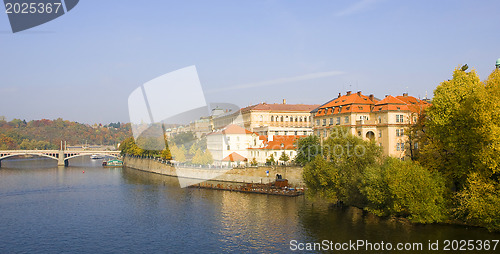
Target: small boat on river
[(112, 163)]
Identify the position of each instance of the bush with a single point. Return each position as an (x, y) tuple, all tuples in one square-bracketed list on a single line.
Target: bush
[(479, 203), (403, 188)]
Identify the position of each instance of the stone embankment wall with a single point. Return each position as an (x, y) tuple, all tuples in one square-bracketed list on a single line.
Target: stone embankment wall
[(237, 175)]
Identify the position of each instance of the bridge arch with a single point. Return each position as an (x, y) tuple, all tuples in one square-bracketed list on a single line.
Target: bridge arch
[(88, 154), (34, 154)]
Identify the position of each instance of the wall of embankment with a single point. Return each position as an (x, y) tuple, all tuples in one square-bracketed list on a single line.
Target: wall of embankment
[(237, 175)]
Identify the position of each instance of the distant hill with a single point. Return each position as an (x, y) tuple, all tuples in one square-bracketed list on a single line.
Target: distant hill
[(48, 134)]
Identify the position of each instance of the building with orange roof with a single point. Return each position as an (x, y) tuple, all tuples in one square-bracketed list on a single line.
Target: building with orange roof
[(383, 121), (229, 140), (263, 146), (271, 119)]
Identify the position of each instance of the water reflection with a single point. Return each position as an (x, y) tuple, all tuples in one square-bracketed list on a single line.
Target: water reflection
[(86, 208), (320, 222)]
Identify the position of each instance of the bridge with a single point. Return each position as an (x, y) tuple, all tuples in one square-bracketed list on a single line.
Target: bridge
[(62, 156)]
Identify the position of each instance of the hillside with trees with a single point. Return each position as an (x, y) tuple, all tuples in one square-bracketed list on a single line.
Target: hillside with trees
[(48, 134)]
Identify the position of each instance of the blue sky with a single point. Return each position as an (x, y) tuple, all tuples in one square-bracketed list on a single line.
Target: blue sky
[(83, 65)]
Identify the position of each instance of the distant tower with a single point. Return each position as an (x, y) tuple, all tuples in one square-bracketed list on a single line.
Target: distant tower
[(498, 63)]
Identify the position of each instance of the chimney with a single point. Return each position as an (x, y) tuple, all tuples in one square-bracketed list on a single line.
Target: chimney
[(405, 94), (359, 93), (339, 95), (348, 93), (284, 101), (371, 97), (386, 95)]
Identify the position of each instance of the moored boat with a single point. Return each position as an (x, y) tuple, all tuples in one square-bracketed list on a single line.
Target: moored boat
[(112, 163)]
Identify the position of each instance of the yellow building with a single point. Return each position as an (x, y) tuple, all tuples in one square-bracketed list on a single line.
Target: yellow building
[(384, 121), (271, 119)]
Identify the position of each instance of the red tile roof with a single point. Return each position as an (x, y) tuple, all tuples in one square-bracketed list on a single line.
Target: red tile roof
[(352, 103), (359, 103), (232, 129), (280, 107), (414, 104), (234, 157), (280, 142)]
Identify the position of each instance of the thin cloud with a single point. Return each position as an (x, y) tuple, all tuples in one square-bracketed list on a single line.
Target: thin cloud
[(356, 8), (280, 81)]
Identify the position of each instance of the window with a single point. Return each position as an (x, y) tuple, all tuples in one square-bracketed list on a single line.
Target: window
[(331, 121), (379, 119), (324, 122), (228, 147), (400, 146), (272, 118), (338, 120), (295, 133), (346, 119), (261, 118), (282, 118), (379, 134), (399, 132), (399, 118), (414, 119), (317, 122), (305, 132), (286, 132), (276, 133), (359, 133), (324, 133)]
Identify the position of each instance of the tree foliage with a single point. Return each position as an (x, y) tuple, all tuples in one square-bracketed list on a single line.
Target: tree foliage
[(307, 149), (463, 128), (37, 133), (284, 157), (353, 171), (404, 188)]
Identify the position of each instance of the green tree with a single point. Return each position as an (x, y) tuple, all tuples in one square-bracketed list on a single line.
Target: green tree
[(322, 179), (166, 154), (254, 162), (199, 158), (307, 149), (284, 157), (207, 157), (178, 153), (403, 188), (350, 155), (463, 128), (479, 203), (271, 160)]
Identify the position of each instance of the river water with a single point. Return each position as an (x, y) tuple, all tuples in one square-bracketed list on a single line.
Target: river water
[(85, 208)]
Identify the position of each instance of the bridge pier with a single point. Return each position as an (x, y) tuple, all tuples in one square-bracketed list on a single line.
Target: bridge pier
[(60, 159)]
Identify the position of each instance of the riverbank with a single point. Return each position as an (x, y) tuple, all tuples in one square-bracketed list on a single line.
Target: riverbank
[(236, 175)]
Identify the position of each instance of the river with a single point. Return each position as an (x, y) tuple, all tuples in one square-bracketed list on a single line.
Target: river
[(85, 208)]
